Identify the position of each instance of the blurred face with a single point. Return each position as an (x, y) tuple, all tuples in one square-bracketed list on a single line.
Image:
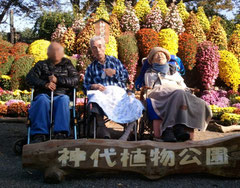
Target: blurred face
[(98, 49), (55, 52), (160, 58)]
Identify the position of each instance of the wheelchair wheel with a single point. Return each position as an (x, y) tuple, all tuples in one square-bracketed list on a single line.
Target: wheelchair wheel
[(18, 146)]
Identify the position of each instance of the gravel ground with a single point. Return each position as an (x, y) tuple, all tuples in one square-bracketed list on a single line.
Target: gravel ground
[(12, 174)]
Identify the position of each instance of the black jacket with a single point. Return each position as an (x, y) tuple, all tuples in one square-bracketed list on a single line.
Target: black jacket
[(67, 76)]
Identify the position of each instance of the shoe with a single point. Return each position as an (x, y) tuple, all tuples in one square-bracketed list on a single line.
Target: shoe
[(180, 133), (168, 135), (38, 138), (60, 136)]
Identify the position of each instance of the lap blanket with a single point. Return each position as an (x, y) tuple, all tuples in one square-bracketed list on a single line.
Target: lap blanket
[(117, 104)]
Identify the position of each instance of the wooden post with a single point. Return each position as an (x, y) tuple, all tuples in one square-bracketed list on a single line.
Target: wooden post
[(12, 30), (58, 158)]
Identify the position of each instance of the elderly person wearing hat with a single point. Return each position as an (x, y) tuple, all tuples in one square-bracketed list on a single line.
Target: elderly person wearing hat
[(172, 108)]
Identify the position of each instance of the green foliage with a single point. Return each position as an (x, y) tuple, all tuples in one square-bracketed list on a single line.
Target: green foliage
[(28, 36), (20, 67), (48, 21), (19, 48), (6, 60)]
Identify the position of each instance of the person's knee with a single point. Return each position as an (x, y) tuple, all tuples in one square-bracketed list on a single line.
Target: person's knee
[(42, 99), (63, 99)]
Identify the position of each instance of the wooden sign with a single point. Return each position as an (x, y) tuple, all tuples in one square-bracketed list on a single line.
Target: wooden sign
[(59, 158), (102, 29)]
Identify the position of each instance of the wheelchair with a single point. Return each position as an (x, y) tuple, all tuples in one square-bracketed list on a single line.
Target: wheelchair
[(18, 145)]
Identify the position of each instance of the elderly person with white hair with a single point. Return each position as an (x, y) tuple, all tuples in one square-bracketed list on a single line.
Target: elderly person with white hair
[(54, 74), (105, 81)]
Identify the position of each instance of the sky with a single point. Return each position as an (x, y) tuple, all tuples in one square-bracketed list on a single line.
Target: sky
[(21, 23)]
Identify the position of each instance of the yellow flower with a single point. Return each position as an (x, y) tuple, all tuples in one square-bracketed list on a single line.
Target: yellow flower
[(17, 92), (182, 11), (101, 11), (6, 77), (142, 8), (111, 47), (163, 7), (203, 19), (2, 102), (26, 92), (230, 117), (119, 9)]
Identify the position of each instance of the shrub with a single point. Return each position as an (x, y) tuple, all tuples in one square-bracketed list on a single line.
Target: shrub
[(207, 63), (101, 11), (115, 29), (119, 9), (187, 50), (163, 6), (182, 11), (5, 46), (57, 35), (5, 82), (6, 60), (234, 46), (128, 54), (146, 39), (68, 41), (142, 8), (203, 19), (20, 67), (78, 24), (19, 48), (168, 39)]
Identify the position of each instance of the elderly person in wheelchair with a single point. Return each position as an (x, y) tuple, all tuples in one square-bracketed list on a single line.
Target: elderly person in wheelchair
[(170, 104), (105, 81), (56, 74)]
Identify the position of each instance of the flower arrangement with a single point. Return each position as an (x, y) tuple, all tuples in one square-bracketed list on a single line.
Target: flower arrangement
[(234, 46), (101, 11), (19, 48), (219, 111), (57, 35), (5, 46), (119, 9), (115, 29), (229, 70), (68, 41), (147, 39), (129, 21), (142, 8), (173, 20), (215, 97), (203, 19), (217, 34), (83, 61), (17, 108), (237, 30), (154, 19), (207, 58), (192, 26), (111, 47), (230, 118), (163, 7), (6, 60), (236, 105), (39, 49), (168, 39), (128, 54), (187, 50), (17, 94), (5, 82), (3, 109), (78, 24), (182, 11)]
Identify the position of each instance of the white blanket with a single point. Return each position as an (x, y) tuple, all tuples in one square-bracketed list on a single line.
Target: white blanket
[(117, 104)]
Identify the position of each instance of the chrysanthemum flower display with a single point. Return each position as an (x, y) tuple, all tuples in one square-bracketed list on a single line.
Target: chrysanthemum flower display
[(129, 21), (163, 6), (182, 11), (68, 41), (5, 46), (217, 34), (78, 24), (19, 48), (115, 29), (83, 62), (168, 39), (230, 119), (39, 49), (142, 8), (187, 50), (207, 58), (192, 26), (101, 11), (128, 54), (203, 19), (154, 19), (173, 20), (111, 47), (215, 97), (229, 70), (6, 60), (234, 46), (147, 39), (57, 35), (119, 9), (237, 30)]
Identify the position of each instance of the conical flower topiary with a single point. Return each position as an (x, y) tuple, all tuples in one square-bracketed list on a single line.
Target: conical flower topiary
[(234, 46), (182, 11), (229, 70), (119, 9), (203, 19), (129, 21), (142, 8), (217, 34), (207, 63), (173, 20), (192, 26), (187, 50), (168, 39), (237, 31), (154, 19), (147, 39), (78, 24), (111, 47), (57, 35), (115, 29), (101, 11), (68, 41), (163, 6)]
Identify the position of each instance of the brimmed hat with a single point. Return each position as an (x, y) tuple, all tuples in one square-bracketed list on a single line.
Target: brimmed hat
[(158, 49)]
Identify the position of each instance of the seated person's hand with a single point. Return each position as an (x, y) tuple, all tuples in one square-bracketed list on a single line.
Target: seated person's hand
[(110, 72), (51, 86), (53, 79), (98, 87)]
